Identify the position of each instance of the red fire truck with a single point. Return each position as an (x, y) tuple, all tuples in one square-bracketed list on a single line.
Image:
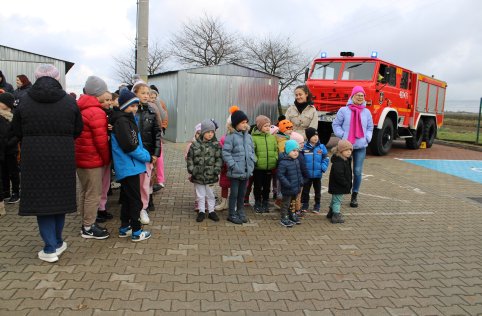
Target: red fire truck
[(404, 104)]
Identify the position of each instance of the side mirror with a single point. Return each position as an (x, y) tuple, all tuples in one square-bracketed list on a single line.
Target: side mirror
[(307, 71)]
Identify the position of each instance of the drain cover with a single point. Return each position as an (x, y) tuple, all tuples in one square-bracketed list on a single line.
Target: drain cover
[(476, 199)]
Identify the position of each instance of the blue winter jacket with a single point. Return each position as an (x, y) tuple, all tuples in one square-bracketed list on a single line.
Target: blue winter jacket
[(129, 155), (289, 175), (238, 154), (341, 126), (316, 159)]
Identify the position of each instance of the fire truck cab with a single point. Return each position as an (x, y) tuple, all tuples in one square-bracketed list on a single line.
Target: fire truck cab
[(404, 104)]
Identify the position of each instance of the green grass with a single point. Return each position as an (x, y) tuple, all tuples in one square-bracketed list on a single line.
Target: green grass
[(447, 133)]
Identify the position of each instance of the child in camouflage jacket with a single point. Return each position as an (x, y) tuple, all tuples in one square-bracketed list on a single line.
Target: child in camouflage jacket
[(204, 162)]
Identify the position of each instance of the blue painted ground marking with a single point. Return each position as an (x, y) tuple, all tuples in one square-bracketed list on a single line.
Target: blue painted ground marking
[(467, 169)]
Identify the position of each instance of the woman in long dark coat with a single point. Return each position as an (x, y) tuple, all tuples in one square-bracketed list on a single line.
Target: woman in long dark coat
[(47, 121)]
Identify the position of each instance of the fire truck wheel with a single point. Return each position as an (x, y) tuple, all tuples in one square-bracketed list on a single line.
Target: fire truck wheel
[(382, 139), (418, 135), (430, 132)]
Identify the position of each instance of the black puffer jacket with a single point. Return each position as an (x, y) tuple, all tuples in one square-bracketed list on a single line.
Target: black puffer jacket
[(5, 128), (340, 175), (150, 129), (47, 121), (4, 85)]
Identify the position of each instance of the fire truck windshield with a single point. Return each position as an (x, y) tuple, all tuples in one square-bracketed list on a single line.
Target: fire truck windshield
[(358, 71), (330, 70)]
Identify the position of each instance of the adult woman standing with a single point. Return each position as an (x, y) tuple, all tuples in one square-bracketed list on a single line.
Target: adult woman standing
[(354, 122), (46, 122), (23, 85), (302, 114)]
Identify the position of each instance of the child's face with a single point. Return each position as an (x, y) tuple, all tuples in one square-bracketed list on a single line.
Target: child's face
[(346, 153), (288, 131), (152, 97), (143, 94), (208, 135), (266, 128), (4, 107), (242, 126), (314, 139), (132, 108), (197, 134), (107, 100), (294, 154)]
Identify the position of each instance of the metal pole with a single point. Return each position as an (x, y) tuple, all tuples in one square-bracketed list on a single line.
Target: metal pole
[(478, 122), (142, 39)]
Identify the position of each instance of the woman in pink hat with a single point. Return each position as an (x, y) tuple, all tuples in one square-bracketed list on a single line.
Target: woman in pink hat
[(354, 123)]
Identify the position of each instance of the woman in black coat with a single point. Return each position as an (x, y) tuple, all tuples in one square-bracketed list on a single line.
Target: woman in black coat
[(46, 122)]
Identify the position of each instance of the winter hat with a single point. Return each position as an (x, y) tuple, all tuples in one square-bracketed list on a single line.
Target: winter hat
[(207, 125), (95, 86), (356, 90), (284, 125), (126, 99), (261, 120), (281, 117), (47, 70), (237, 117), (291, 145), (297, 137), (154, 88), (8, 99), (197, 128), (310, 132), (344, 145), (273, 129)]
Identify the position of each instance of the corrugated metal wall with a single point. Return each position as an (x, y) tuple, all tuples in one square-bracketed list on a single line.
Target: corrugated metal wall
[(15, 62), (167, 86), (208, 92)]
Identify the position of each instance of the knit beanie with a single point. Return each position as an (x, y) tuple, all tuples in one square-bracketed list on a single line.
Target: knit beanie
[(261, 120), (237, 117), (284, 125), (126, 99), (207, 125), (297, 137), (356, 90), (344, 145), (47, 70), (154, 88), (95, 86), (291, 145), (8, 99), (197, 128), (310, 132)]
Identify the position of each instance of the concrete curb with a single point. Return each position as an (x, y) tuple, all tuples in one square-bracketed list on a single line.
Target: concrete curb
[(459, 145)]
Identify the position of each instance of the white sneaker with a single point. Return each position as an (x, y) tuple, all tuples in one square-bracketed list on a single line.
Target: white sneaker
[(49, 257), (144, 218), (62, 248), (222, 205)]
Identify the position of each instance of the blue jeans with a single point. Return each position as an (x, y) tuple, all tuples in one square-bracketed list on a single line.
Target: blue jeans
[(51, 227), (335, 204), (358, 159), (236, 197)]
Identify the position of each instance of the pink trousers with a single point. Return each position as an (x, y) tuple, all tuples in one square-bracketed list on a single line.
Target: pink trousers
[(146, 188), (160, 168), (105, 186)]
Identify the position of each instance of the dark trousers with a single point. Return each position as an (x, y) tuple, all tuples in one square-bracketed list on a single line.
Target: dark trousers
[(130, 197), (262, 182), (249, 186), (51, 227), (236, 197), (286, 204), (10, 173), (305, 196)]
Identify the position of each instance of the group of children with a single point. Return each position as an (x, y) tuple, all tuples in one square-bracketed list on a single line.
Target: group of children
[(261, 154)]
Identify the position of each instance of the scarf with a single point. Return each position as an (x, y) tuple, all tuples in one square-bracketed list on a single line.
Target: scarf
[(356, 129), (301, 106)]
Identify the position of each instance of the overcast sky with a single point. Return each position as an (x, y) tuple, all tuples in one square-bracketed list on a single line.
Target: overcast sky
[(440, 38)]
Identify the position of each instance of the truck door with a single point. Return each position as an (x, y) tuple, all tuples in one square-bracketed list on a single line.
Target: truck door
[(387, 85)]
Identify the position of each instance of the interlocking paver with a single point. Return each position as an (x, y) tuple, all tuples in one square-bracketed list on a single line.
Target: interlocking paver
[(427, 259)]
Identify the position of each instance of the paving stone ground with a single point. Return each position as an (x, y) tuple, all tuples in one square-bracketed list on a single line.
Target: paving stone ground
[(413, 247)]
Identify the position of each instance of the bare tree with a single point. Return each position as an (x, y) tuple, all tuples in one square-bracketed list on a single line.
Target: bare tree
[(278, 57), (125, 66), (205, 43)]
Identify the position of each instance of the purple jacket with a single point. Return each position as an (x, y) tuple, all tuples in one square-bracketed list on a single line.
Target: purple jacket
[(341, 126)]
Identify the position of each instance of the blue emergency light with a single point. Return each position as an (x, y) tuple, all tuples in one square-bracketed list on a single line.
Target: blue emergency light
[(374, 54), (323, 55)]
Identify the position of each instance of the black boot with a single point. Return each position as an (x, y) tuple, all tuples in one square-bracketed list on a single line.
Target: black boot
[(258, 206), (329, 215), (265, 206), (354, 202)]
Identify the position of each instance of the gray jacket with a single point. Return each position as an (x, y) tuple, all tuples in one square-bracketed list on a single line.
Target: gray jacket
[(238, 153)]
